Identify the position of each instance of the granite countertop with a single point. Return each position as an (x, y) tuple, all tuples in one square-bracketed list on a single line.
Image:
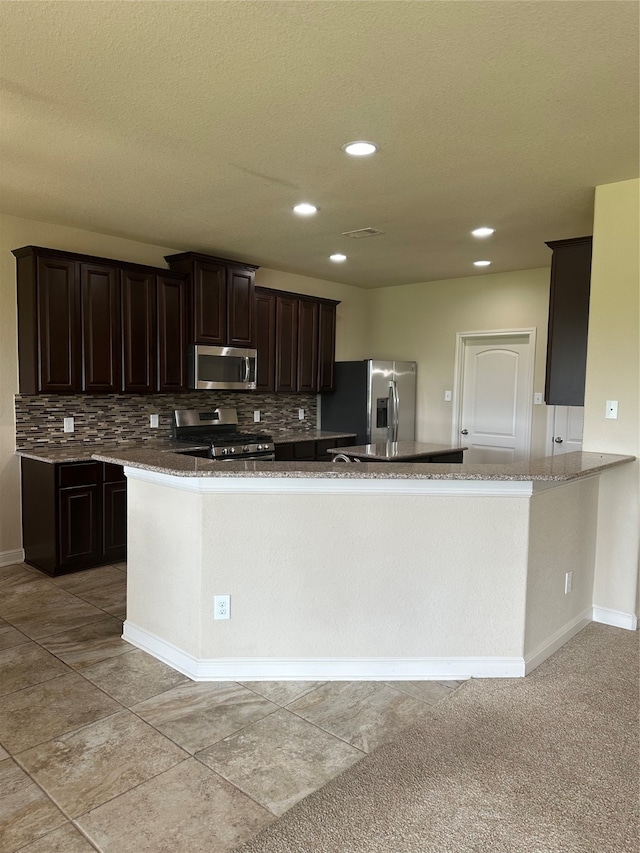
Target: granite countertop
[(392, 450), (289, 436), (84, 451), (552, 468)]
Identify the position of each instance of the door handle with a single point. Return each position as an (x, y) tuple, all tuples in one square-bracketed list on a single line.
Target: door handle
[(558, 440), (464, 431)]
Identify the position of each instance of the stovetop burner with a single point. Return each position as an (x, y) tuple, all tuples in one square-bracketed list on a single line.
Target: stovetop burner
[(219, 429)]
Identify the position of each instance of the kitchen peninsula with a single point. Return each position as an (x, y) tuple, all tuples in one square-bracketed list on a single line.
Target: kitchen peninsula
[(342, 571)]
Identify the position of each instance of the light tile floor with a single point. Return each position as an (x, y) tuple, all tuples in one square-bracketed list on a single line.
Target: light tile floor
[(103, 747)]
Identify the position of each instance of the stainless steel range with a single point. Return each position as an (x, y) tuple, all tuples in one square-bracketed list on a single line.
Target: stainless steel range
[(218, 428)]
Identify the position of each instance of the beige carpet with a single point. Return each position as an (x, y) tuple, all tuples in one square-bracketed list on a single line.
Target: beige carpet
[(543, 764)]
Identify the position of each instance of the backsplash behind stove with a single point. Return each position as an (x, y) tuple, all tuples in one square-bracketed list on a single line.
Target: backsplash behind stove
[(125, 417)]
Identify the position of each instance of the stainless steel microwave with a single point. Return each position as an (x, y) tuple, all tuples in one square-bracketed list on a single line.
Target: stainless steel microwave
[(222, 368)]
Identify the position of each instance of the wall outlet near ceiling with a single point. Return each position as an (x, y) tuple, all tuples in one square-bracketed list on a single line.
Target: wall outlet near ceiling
[(256, 416), (222, 607), (568, 582), (68, 425), (154, 421), (447, 396), (537, 398), (611, 409), (301, 414)]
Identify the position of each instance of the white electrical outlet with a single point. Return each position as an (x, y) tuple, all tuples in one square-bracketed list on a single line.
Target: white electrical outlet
[(68, 425), (568, 582), (256, 417), (612, 410), (301, 414), (222, 607), (447, 396), (154, 421), (537, 398)]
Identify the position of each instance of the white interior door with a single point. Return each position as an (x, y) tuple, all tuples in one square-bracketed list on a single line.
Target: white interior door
[(568, 423), (497, 392)]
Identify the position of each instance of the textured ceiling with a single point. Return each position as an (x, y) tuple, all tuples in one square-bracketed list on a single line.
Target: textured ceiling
[(197, 125)]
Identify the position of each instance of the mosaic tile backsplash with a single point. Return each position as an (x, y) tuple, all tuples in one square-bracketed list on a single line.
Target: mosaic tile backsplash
[(125, 417)]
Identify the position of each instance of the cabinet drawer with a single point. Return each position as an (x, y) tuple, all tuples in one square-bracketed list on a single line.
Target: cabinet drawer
[(113, 473), (79, 474), (284, 452)]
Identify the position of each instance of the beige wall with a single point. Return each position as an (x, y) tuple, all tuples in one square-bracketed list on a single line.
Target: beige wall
[(613, 373), (418, 322), (15, 232)]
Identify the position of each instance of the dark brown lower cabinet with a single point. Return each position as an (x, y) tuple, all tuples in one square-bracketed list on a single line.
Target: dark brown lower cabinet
[(74, 515), (310, 450)]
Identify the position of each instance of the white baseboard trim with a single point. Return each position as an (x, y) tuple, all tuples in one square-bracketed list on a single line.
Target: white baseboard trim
[(322, 669), (8, 558), (557, 640), (616, 618)]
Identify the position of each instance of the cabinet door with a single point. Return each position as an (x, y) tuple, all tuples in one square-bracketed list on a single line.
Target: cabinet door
[(240, 307), (58, 321), (80, 541), (171, 331), (138, 332), (286, 343), (101, 355), (326, 347), (265, 338), (307, 363), (568, 322), (114, 520), (209, 303)]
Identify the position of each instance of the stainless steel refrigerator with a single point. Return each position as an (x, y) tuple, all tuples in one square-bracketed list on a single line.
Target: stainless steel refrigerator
[(374, 399)]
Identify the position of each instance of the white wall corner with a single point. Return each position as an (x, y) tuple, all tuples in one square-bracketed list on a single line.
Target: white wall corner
[(557, 640), (615, 617), (8, 558)]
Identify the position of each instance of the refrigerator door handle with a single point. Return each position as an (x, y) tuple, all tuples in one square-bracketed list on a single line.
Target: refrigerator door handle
[(394, 404)]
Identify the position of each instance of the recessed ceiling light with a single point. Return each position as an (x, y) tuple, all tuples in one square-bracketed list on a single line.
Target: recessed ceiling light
[(337, 258), (359, 148), (305, 209), (481, 263), (483, 232)]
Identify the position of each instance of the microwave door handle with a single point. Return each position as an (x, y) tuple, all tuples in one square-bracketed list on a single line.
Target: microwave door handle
[(247, 368)]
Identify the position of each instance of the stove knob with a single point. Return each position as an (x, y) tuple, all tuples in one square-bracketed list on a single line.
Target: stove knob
[(224, 451), (246, 448), (259, 447), (232, 450)]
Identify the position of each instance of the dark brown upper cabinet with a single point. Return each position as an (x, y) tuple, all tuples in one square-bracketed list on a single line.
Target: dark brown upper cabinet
[(221, 299), (307, 372), (48, 323), (326, 346), (568, 321), (172, 323), (100, 301), (286, 343), (295, 337), (265, 338), (98, 325), (139, 362)]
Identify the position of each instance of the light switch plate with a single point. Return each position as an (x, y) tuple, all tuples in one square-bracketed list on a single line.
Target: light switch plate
[(537, 398), (154, 421), (447, 396), (68, 425), (301, 414), (612, 409), (256, 417)]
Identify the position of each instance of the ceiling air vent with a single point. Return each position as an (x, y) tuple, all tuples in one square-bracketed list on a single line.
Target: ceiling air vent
[(362, 232)]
